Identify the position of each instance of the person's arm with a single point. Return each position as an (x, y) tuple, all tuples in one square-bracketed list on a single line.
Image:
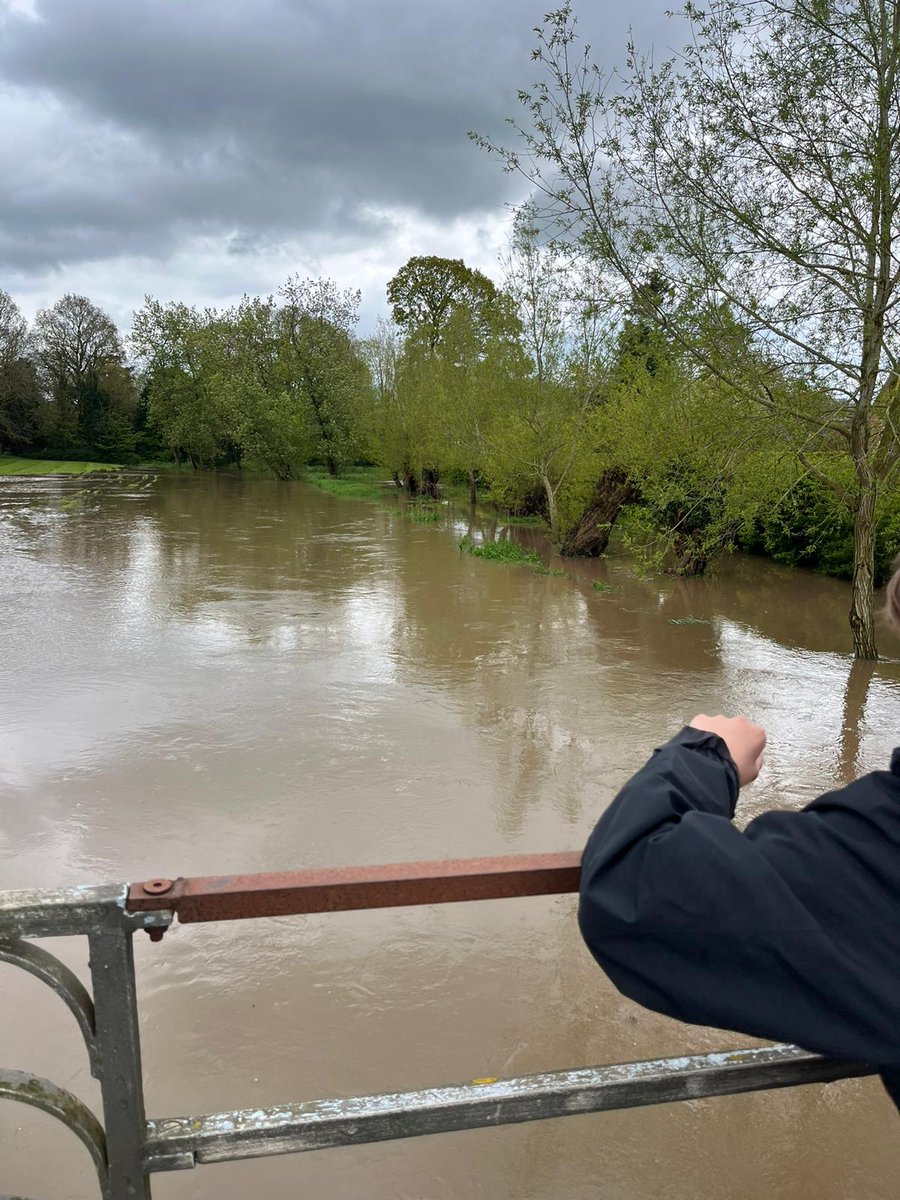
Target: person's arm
[(692, 918)]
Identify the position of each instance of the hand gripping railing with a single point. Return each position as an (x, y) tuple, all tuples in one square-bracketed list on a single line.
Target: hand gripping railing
[(129, 1148)]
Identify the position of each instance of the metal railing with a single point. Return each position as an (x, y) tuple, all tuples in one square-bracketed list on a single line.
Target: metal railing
[(127, 1148)]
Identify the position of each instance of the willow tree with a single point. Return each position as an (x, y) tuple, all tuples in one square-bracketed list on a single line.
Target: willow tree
[(759, 173), (323, 364), (182, 350), (459, 351)]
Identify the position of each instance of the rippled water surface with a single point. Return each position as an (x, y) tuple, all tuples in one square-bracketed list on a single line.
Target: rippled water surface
[(206, 675)]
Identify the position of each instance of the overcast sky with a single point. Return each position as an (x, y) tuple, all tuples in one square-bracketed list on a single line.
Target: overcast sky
[(200, 149)]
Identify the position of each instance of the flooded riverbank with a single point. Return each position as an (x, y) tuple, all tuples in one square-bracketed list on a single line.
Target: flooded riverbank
[(204, 675)]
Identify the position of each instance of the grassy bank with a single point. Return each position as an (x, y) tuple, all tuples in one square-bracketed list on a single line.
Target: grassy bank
[(10, 465), (354, 483)]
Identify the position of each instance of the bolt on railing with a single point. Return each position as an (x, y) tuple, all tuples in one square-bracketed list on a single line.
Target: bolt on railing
[(128, 1148)]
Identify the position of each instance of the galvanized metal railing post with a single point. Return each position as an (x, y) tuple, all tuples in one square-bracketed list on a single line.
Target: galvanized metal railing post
[(119, 1053)]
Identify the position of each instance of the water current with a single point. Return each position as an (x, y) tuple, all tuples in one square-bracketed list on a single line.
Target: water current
[(207, 674)]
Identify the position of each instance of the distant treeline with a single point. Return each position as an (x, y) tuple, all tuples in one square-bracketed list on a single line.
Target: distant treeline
[(545, 393)]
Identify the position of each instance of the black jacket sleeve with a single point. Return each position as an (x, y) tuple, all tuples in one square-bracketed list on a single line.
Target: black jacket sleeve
[(789, 930)]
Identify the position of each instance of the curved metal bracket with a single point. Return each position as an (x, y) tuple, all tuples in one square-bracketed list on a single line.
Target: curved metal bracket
[(40, 1093), (46, 967)]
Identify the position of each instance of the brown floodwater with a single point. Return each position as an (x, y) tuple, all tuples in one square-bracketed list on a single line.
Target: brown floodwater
[(207, 675)]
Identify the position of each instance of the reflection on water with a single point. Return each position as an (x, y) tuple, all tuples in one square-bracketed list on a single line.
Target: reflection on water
[(208, 674)]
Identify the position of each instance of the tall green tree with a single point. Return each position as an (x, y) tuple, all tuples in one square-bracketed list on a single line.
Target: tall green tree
[(477, 375), (181, 349), (546, 439), (272, 424), (759, 169), (459, 357), (323, 364), (21, 401), (427, 290), (82, 358), (398, 432)]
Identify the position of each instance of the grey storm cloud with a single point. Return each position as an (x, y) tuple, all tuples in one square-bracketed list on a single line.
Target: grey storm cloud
[(128, 125)]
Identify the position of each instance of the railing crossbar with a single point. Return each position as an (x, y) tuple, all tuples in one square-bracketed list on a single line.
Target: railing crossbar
[(293, 1128), (342, 889)]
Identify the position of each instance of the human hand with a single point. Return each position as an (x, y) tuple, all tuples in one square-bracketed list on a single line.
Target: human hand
[(745, 742)]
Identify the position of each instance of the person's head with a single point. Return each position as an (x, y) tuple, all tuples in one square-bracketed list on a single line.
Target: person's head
[(892, 598)]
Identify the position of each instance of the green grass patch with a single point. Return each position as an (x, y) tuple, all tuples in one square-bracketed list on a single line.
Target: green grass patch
[(502, 552), (10, 465), (354, 483), (510, 553), (599, 586), (687, 621), (424, 513)]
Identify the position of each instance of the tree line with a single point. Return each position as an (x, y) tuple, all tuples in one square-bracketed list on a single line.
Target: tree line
[(546, 392), (694, 333)]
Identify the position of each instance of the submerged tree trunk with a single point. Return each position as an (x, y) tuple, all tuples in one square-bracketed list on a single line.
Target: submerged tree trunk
[(408, 482), (590, 537), (552, 510), (430, 486), (862, 601), (691, 556), (473, 487), (855, 697)]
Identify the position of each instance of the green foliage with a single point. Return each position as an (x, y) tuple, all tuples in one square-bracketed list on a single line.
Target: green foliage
[(697, 453), (500, 551), (599, 586), (183, 352), (23, 417), (428, 291), (742, 196), (277, 383), (444, 375), (92, 392), (510, 553), (809, 526), (546, 440), (424, 513), (321, 366)]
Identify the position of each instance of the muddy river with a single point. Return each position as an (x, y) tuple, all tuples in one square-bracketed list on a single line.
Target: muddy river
[(206, 675)]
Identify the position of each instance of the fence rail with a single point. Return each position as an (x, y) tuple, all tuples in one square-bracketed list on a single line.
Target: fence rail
[(127, 1148)]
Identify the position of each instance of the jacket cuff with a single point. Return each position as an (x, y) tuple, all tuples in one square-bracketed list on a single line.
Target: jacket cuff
[(712, 744)]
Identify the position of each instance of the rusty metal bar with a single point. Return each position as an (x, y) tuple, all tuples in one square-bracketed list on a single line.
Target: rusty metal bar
[(237, 897), (176, 1142)]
